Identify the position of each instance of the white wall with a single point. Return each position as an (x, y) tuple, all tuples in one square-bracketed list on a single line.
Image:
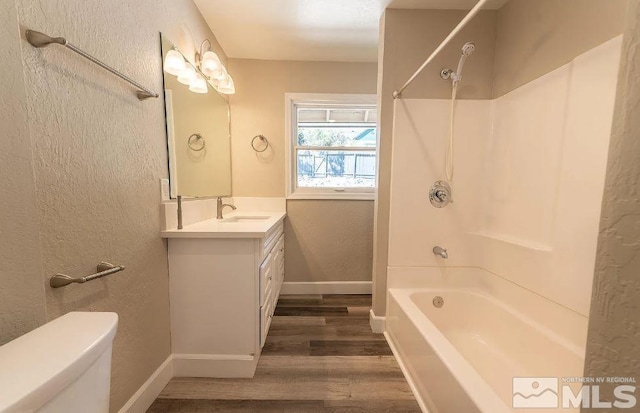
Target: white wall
[(529, 178)]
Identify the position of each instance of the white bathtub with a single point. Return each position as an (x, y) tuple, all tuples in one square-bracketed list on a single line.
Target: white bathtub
[(462, 357)]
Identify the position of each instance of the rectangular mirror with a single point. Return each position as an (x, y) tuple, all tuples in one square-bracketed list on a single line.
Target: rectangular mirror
[(198, 136)]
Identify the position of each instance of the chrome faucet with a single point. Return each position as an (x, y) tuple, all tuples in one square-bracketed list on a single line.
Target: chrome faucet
[(441, 252), (220, 207)]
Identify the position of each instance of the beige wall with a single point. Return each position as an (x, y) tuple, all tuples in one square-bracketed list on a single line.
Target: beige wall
[(258, 108), (319, 247), (22, 306), (535, 37), (613, 348), (80, 178), (329, 240), (407, 38)]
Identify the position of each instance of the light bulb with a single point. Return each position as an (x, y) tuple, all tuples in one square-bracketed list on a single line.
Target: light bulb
[(226, 86), (211, 66), (187, 76), (198, 85), (219, 75), (174, 63)]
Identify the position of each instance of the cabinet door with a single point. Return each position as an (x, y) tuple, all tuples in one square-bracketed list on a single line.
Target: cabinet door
[(266, 315), (279, 263), (266, 277)]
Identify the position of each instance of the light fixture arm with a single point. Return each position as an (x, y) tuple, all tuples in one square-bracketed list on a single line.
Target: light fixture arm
[(201, 52)]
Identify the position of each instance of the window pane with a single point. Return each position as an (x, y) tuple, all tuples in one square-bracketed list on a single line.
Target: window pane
[(336, 169), (348, 114), (359, 136)]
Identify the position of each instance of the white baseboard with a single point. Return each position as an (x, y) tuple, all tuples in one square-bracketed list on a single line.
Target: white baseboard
[(150, 390), (188, 365), (200, 365), (407, 376), (214, 366), (327, 287), (376, 322)]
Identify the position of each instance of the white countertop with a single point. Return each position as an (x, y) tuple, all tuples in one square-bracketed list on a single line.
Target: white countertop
[(215, 228)]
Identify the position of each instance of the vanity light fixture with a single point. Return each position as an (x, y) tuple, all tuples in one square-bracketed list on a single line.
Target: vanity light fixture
[(174, 63), (199, 85), (187, 76), (226, 86), (209, 70), (210, 65)]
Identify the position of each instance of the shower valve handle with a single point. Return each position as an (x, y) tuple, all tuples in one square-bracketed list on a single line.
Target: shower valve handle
[(442, 195)]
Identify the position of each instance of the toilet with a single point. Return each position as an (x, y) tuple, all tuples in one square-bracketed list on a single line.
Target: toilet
[(62, 366)]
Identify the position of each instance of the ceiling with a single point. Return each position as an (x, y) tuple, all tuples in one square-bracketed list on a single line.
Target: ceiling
[(322, 30)]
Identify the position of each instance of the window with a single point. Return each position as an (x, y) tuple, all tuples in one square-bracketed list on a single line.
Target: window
[(332, 146)]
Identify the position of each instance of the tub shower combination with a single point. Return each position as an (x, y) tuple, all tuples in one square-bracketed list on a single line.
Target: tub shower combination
[(493, 290)]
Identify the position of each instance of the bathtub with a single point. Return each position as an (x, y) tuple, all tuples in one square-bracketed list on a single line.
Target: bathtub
[(462, 357)]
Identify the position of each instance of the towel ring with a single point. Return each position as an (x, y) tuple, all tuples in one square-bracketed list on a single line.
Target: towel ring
[(193, 139), (263, 139)]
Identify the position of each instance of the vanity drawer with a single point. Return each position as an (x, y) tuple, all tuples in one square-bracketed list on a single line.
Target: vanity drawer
[(278, 261), (266, 315), (271, 239), (266, 278)]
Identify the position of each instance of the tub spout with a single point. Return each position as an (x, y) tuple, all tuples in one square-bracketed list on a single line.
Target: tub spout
[(441, 252)]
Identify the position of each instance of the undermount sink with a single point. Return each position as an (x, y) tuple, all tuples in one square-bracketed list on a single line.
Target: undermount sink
[(245, 218)]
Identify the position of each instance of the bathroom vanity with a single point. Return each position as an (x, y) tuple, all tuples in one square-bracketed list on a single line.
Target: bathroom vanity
[(225, 277)]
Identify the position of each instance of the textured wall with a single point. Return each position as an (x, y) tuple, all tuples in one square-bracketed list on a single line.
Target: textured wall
[(535, 37), (613, 348), (96, 155), (329, 240), (258, 108), (407, 38), (22, 306)]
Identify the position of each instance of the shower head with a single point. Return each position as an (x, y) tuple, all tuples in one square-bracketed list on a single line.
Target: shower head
[(468, 48)]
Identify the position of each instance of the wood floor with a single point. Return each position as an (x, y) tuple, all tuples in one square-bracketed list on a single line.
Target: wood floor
[(320, 356)]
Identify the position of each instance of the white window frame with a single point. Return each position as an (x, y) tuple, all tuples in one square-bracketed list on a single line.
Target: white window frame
[(292, 191)]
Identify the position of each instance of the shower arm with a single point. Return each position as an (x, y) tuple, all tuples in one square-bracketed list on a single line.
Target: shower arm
[(397, 94)]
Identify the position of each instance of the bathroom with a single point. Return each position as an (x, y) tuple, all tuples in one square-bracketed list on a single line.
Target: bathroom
[(537, 260)]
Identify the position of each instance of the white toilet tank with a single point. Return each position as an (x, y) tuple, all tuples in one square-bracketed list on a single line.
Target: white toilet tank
[(62, 367)]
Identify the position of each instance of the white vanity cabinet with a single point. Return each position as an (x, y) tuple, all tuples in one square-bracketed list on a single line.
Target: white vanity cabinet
[(223, 294), (271, 279)]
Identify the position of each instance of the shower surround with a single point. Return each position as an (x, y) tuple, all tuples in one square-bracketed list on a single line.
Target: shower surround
[(527, 193)]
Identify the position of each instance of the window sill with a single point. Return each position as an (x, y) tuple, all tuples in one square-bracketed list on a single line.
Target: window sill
[(353, 196)]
